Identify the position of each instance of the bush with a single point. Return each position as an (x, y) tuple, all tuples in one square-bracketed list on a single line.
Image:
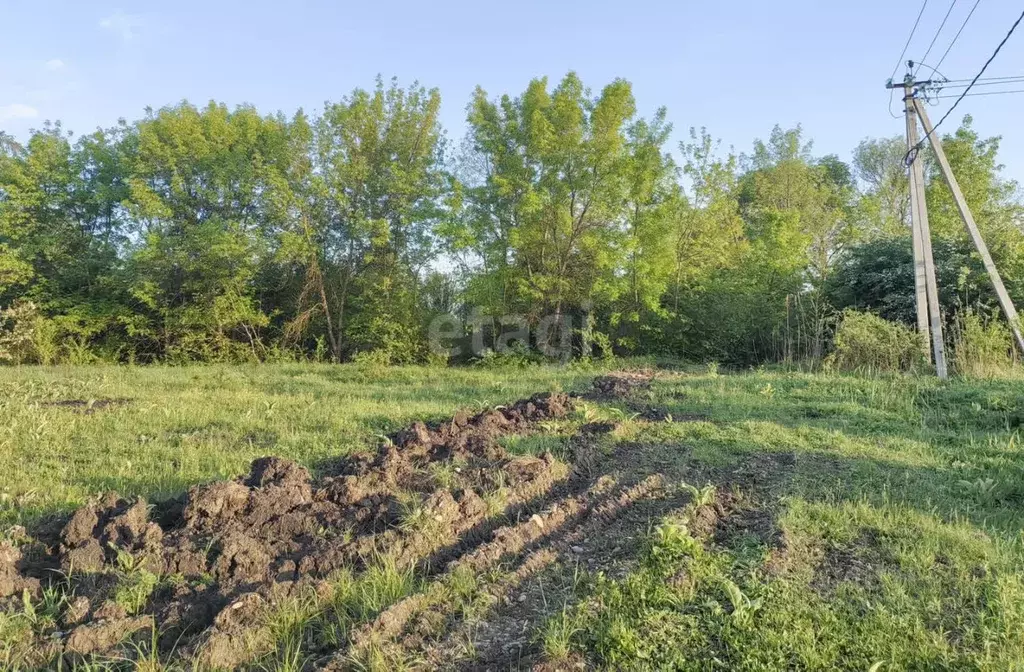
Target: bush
[(982, 348), (26, 336), (519, 355), (865, 342)]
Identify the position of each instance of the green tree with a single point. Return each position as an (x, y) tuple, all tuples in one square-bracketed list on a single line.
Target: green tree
[(707, 242), (365, 232), (878, 274), (994, 201), (208, 194), (653, 209), (570, 202), (884, 205), (62, 227)]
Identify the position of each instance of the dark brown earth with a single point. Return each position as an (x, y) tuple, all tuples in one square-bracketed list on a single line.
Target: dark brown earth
[(620, 384), (87, 405), (861, 561)]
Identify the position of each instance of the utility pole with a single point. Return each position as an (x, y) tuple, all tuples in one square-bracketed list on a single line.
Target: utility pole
[(920, 292), (929, 319), (1005, 302)]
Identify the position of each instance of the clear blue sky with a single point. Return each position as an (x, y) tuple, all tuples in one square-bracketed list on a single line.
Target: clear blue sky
[(736, 67)]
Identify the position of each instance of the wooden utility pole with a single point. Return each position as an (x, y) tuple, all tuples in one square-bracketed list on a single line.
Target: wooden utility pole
[(1005, 302), (928, 315)]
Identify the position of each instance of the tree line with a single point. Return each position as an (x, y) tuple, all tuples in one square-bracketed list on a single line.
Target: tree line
[(217, 234)]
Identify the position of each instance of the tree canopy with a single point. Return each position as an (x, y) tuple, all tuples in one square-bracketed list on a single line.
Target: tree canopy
[(217, 234)]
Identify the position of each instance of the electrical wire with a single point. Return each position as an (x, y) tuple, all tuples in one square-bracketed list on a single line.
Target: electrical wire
[(957, 36), (984, 79), (906, 46), (947, 85), (937, 33), (933, 89), (983, 93), (919, 145), (935, 71), (903, 53)]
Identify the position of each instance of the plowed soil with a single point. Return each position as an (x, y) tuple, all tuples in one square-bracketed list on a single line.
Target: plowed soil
[(222, 557)]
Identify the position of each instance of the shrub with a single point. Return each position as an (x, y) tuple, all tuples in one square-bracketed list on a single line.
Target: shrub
[(519, 355), (865, 342), (26, 336), (982, 348)]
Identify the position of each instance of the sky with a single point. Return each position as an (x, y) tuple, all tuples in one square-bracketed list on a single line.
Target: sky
[(737, 68)]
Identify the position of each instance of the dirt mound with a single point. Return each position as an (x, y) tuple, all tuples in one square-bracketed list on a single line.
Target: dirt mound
[(201, 571), (12, 563), (620, 384)]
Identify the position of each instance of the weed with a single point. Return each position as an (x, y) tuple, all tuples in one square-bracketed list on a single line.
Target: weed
[(557, 633), (445, 474), (865, 342), (670, 543), (984, 489), (700, 496), (135, 583), (288, 625), (381, 585), (377, 657), (463, 586), (496, 500), (414, 517), (743, 608)]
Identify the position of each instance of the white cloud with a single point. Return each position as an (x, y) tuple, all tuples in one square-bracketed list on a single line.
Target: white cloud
[(125, 25), (54, 64), (18, 111)]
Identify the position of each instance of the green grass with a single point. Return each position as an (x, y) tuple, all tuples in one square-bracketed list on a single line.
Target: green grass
[(901, 515), (167, 428), (899, 505)]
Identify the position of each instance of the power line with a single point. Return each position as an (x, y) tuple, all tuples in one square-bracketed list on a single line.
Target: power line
[(907, 45), (973, 82), (957, 36), (935, 71), (903, 53), (937, 33), (948, 85), (983, 79), (982, 93)]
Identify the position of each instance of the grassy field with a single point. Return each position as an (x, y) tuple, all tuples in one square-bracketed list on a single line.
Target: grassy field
[(67, 433), (757, 521)]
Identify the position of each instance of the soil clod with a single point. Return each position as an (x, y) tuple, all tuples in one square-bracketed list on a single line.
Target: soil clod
[(210, 564), (621, 384)]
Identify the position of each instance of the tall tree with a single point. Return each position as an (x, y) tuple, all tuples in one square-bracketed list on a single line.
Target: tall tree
[(884, 205), (206, 196), (711, 234), (366, 231), (550, 215), (653, 208), (62, 226)]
